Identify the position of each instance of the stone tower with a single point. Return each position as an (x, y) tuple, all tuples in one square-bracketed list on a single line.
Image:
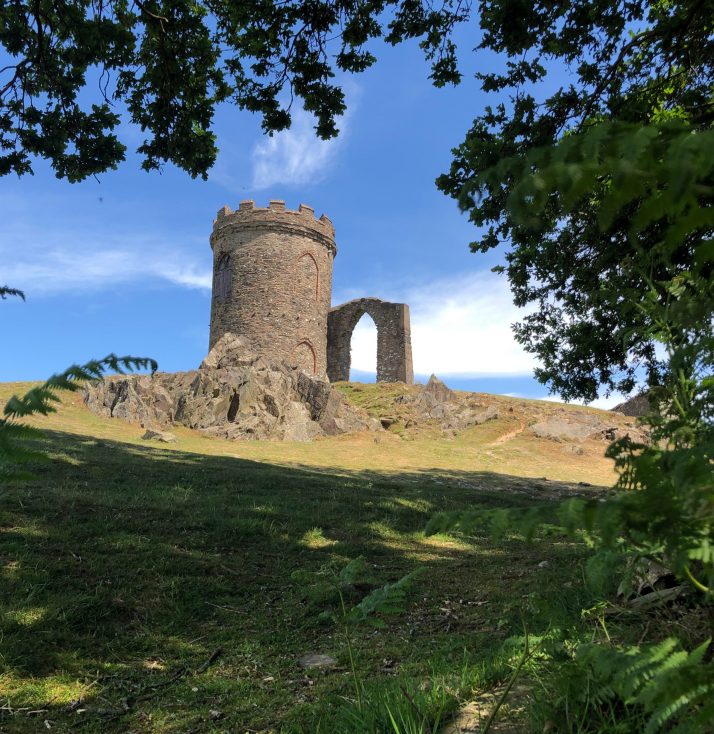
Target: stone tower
[(272, 281)]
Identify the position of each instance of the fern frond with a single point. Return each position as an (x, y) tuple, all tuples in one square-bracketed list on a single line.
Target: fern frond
[(42, 400), (352, 572), (387, 599), (674, 687)]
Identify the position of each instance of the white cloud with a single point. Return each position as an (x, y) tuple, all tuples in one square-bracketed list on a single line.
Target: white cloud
[(603, 403), (460, 327), (295, 156), (43, 262)]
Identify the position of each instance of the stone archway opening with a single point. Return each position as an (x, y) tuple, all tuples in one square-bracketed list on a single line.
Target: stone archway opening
[(363, 350), (394, 347)]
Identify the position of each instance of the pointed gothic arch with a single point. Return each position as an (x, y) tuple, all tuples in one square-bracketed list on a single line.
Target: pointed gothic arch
[(223, 278), (304, 356)]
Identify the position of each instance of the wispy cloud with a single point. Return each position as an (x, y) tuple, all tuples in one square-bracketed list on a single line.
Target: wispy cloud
[(604, 403), (295, 156), (48, 262), (460, 326)]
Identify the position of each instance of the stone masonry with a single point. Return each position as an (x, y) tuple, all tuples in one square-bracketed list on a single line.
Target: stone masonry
[(272, 283), (394, 345)]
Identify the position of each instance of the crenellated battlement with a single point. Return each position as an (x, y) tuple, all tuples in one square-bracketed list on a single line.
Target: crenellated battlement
[(276, 217)]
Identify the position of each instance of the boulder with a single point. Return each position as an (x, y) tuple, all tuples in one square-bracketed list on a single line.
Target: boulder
[(435, 392), (230, 350), (580, 426), (561, 428), (163, 436)]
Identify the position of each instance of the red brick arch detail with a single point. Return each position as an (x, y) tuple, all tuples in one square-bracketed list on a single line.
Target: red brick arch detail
[(308, 344), (317, 271)]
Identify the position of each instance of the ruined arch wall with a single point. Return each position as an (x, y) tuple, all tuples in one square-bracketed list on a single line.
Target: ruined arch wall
[(280, 281), (394, 345)]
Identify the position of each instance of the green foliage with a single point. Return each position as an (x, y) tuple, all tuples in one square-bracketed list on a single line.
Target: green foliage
[(665, 680), (72, 67), (667, 169), (644, 69), (601, 687), (42, 400), (390, 707), (384, 600), (332, 585), (657, 183), (6, 291), (664, 503)]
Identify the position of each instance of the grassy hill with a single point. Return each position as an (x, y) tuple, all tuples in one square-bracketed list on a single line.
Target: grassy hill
[(151, 588)]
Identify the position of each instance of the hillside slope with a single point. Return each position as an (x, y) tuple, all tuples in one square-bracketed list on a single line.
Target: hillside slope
[(512, 436), (152, 588)]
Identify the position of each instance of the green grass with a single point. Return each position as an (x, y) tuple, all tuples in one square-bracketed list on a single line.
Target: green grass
[(149, 590)]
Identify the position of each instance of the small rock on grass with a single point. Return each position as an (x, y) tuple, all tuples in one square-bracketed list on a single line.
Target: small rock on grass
[(162, 436), (315, 660)]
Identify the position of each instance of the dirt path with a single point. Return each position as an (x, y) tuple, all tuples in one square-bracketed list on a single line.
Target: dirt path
[(508, 436), (510, 719)]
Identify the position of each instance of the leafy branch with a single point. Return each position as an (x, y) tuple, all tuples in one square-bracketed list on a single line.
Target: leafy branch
[(6, 291), (656, 182), (42, 400)]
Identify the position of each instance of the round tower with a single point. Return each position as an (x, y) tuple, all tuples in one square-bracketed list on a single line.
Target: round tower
[(272, 281)]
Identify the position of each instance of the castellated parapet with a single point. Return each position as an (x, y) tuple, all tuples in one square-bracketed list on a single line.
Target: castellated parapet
[(272, 281)]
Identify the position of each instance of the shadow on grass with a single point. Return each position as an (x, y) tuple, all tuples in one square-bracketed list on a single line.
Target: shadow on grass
[(125, 567)]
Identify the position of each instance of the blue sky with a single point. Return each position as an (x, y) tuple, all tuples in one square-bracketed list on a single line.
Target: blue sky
[(123, 263)]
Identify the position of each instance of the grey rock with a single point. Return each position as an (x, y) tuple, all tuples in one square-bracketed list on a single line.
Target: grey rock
[(438, 390), (233, 395), (162, 436), (229, 350), (635, 406), (559, 428), (490, 414), (434, 397), (580, 426), (315, 660)]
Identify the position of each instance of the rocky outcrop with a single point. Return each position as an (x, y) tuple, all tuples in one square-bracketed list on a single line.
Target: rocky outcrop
[(437, 405), (234, 394), (636, 406), (581, 426)]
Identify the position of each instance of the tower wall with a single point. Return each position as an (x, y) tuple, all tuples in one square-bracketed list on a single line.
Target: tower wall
[(272, 281)]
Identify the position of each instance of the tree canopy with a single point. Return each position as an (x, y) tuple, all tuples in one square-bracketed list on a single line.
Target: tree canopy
[(638, 63), (73, 65), (570, 65)]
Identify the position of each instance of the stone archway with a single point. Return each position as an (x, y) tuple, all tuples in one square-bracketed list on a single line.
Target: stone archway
[(394, 346)]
